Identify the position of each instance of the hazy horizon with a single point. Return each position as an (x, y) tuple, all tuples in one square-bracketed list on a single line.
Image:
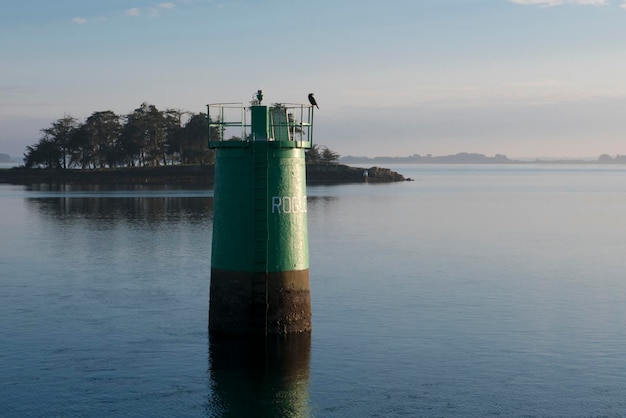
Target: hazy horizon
[(523, 78), (355, 156)]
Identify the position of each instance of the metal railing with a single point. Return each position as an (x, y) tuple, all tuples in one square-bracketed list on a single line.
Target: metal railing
[(232, 122)]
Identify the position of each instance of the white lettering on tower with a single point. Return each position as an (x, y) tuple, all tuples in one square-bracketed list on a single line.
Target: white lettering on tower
[(289, 204)]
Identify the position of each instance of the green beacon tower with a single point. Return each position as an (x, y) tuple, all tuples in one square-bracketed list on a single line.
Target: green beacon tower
[(260, 255)]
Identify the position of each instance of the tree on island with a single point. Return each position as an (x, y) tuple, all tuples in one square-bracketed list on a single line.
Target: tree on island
[(607, 159), (323, 154), (145, 137)]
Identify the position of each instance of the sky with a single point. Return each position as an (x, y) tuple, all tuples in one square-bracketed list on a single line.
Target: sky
[(523, 78)]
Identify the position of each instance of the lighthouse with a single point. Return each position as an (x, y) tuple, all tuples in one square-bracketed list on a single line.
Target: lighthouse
[(260, 256)]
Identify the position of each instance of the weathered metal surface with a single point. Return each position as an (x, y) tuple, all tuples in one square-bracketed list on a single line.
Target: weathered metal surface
[(276, 303)]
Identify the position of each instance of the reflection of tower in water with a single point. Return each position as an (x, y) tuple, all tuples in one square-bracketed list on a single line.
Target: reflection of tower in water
[(259, 376)]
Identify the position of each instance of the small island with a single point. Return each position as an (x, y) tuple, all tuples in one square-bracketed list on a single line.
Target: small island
[(5, 158), (190, 175), (150, 146)]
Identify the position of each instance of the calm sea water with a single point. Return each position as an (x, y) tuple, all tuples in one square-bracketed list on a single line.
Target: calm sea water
[(473, 291)]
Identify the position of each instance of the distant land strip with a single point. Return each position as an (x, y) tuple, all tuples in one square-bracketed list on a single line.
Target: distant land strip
[(5, 158), (197, 175), (473, 158)]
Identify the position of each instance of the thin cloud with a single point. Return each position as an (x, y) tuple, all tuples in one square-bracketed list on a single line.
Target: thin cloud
[(132, 12), (12, 90), (192, 2), (538, 2), (156, 11), (560, 2)]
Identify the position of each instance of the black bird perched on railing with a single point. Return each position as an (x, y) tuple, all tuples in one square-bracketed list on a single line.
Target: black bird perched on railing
[(312, 100)]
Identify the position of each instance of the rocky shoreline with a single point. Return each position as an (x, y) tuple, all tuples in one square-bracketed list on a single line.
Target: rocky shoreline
[(198, 175)]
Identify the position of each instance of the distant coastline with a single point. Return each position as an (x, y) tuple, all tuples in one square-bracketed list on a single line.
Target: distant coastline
[(6, 158), (474, 158), (459, 158)]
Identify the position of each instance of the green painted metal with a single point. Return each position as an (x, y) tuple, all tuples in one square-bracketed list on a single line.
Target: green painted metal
[(260, 255), (232, 222), (260, 206), (259, 123), (260, 209)]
